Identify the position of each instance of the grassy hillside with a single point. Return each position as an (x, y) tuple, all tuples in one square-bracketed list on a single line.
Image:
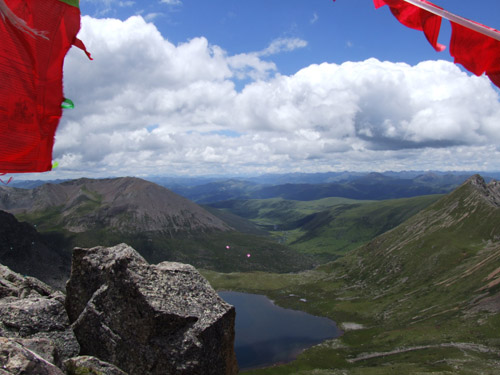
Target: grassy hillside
[(277, 213), (326, 228), (347, 226), (204, 250), (422, 298)]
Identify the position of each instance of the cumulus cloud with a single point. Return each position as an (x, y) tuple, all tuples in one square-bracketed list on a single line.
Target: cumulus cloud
[(251, 65), (147, 106)]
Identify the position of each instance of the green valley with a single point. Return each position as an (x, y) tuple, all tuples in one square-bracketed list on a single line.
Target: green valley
[(329, 227), (422, 298)]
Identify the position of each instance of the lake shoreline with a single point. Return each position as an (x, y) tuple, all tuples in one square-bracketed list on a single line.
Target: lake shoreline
[(269, 335)]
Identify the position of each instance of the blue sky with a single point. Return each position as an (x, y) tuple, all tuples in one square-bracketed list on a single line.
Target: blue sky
[(345, 30), (229, 87)]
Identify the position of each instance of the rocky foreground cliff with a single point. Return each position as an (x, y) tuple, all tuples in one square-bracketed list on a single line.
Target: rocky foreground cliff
[(120, 316)]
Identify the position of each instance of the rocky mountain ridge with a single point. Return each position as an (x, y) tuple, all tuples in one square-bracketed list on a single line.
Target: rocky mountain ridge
[(451, 248)]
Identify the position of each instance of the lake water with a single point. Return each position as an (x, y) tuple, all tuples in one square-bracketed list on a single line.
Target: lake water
[(267, 334)]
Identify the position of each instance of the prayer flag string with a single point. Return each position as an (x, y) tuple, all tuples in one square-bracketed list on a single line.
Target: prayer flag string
[(476, 47)]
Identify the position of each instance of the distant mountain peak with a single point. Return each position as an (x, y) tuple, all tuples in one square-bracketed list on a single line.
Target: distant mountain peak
[(127, 204)]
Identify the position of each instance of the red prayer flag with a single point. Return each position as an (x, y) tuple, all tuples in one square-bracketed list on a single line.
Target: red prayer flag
[(477, 53), (475, 46), (31, 92), (415, 18)]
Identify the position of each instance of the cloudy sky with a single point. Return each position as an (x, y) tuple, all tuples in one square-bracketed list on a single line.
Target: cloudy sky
[(234, 87)]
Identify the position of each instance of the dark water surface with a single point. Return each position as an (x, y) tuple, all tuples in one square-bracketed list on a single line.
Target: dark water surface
[(267, 334)]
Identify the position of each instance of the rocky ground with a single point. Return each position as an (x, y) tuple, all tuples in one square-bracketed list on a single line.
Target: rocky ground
[(120, 316)]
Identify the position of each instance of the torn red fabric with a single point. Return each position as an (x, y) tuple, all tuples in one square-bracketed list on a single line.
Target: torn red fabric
[(477, 53), (31, 89), (475, 46), (415, 18)]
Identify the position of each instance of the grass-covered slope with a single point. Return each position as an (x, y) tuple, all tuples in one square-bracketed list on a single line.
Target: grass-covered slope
[(424, 296), (326, 228), (277, 213), (344, 227)]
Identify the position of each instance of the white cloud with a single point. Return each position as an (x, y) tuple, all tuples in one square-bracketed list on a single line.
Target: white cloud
[(171, 2), (314, 18), (250, 65), (283, 45), (152, 16), (145, 105)]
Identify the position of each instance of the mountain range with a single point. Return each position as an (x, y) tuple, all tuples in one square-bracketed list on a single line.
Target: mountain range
[(279, 235), (157, 222), (304, 186), (364, 186)]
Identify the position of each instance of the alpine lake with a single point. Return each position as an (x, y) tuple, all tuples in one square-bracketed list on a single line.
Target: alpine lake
[(267, 334)]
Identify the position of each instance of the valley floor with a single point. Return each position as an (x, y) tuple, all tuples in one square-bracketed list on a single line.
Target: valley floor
[(376, 340)]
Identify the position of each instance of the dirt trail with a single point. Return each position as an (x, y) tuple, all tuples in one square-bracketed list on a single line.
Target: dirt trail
[(457, 345)]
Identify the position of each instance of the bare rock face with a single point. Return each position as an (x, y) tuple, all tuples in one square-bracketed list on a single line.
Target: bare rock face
[(34, 314), (17, 359), (148, 319), (90, 365)]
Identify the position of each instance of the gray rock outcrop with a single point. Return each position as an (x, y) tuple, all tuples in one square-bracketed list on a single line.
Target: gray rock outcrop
[(34, 314), (17, 359), (148, 319), (90, 365)]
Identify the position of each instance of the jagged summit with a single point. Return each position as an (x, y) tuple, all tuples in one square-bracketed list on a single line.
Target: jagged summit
[(489, 191)]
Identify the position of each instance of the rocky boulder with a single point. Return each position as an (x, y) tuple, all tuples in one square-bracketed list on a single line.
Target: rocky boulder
[(17, 359), (148, 319), (34, 315), (91, 366)]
